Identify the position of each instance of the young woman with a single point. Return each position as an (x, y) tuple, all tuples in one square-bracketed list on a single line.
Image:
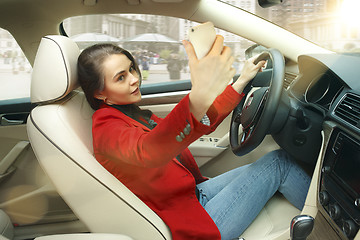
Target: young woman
[(150, 155)]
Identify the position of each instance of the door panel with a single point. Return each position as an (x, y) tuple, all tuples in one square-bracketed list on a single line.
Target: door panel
[(26, 193)]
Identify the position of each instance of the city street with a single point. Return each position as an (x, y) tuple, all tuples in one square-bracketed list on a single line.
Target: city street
[(13, 84), (159, 73)]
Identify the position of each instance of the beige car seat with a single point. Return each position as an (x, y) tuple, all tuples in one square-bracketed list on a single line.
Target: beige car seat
[(6, 227), (59, 130)]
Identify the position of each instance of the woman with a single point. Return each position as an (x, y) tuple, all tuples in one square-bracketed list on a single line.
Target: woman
[(150, 156), (174, 67)]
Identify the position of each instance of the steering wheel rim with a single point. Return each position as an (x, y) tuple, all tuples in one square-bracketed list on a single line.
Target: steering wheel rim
[(260, 117)]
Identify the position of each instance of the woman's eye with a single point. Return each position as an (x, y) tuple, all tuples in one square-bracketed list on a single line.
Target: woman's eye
[(131, 69), (120, 78)]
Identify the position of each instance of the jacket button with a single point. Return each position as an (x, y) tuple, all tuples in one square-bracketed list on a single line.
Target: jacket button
[(187, 129), (178, 138), (182, 135)]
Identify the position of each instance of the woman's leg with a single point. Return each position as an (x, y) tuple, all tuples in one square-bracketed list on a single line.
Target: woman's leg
[(235, 198)]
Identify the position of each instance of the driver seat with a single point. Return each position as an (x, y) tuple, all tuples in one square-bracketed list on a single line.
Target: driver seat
[(59, 130)]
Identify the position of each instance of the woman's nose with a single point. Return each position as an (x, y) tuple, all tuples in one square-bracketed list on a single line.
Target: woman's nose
[(134, 78)]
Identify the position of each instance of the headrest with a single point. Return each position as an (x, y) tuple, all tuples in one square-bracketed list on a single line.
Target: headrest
[(55, 69)]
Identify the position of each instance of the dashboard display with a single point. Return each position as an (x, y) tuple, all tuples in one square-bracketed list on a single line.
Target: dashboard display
[(317, 89), (347, 166), (323, 89)]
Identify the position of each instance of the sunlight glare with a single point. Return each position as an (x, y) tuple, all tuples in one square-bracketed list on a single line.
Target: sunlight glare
[(349, 12)]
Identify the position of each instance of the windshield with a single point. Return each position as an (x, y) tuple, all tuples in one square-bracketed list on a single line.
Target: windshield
[(155, 40), (332, 24)]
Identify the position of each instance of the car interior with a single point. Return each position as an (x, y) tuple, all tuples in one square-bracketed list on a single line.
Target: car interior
[(52, 187)]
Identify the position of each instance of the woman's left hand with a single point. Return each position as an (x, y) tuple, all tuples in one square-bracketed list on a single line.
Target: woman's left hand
[(248, 73)]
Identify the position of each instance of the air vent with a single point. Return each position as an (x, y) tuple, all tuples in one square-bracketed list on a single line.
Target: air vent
[(289, 78), (349, 109)]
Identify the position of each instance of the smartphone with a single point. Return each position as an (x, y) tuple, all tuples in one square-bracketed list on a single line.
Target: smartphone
[(202, 38)]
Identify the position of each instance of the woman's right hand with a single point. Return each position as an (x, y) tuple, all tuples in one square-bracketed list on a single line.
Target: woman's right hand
[(209, 75)]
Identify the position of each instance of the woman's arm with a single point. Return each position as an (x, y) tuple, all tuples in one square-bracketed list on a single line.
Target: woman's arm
[(119, 138), (209, 75)]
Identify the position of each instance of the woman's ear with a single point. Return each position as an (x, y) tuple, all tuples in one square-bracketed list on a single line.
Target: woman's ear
[(100, 96)]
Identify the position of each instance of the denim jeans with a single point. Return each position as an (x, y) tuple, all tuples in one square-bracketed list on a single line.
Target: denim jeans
[(235, 198)]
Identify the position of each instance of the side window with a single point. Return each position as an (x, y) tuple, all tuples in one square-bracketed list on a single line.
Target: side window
[(155, 42), (15, 70)]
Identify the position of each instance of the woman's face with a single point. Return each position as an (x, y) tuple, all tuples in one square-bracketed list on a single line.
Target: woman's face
[(121, 83)]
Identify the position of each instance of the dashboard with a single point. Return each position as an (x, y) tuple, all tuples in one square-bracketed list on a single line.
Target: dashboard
[(327, 92)]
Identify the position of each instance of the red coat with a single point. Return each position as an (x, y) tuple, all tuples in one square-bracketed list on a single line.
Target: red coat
[(145, 162)]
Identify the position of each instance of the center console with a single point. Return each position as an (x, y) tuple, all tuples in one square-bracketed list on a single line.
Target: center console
[(339, 191)]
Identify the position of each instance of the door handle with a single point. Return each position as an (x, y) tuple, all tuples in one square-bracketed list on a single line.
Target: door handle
[(6, 122), (10, 158), (13, 119)]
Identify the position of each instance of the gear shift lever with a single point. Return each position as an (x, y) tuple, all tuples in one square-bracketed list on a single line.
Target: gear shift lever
[(301, 227)]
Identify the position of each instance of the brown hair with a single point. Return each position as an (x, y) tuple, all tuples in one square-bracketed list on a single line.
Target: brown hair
[(90, 69)]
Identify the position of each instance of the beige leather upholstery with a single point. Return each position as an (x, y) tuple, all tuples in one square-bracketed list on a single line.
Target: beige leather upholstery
[(54, 72), (60, 134), (6, 227), (273, 222)]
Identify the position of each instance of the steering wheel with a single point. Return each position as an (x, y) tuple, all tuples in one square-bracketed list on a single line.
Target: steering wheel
[(255, 113)]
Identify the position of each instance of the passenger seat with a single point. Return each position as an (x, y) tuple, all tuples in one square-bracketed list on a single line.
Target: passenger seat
[(6, 227)]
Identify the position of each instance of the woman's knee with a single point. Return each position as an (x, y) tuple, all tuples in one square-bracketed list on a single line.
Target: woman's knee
[(283, 160), (282, 156)]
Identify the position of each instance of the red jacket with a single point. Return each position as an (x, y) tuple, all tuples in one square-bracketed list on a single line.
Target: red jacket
[(145, 162)]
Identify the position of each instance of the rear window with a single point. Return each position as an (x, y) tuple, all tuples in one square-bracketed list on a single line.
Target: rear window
[(15, 70)]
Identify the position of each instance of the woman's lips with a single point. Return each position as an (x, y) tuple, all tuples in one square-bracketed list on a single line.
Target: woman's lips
[(136, 91)]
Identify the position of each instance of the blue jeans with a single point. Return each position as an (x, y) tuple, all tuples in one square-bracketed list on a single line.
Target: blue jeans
[(235, 198)]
